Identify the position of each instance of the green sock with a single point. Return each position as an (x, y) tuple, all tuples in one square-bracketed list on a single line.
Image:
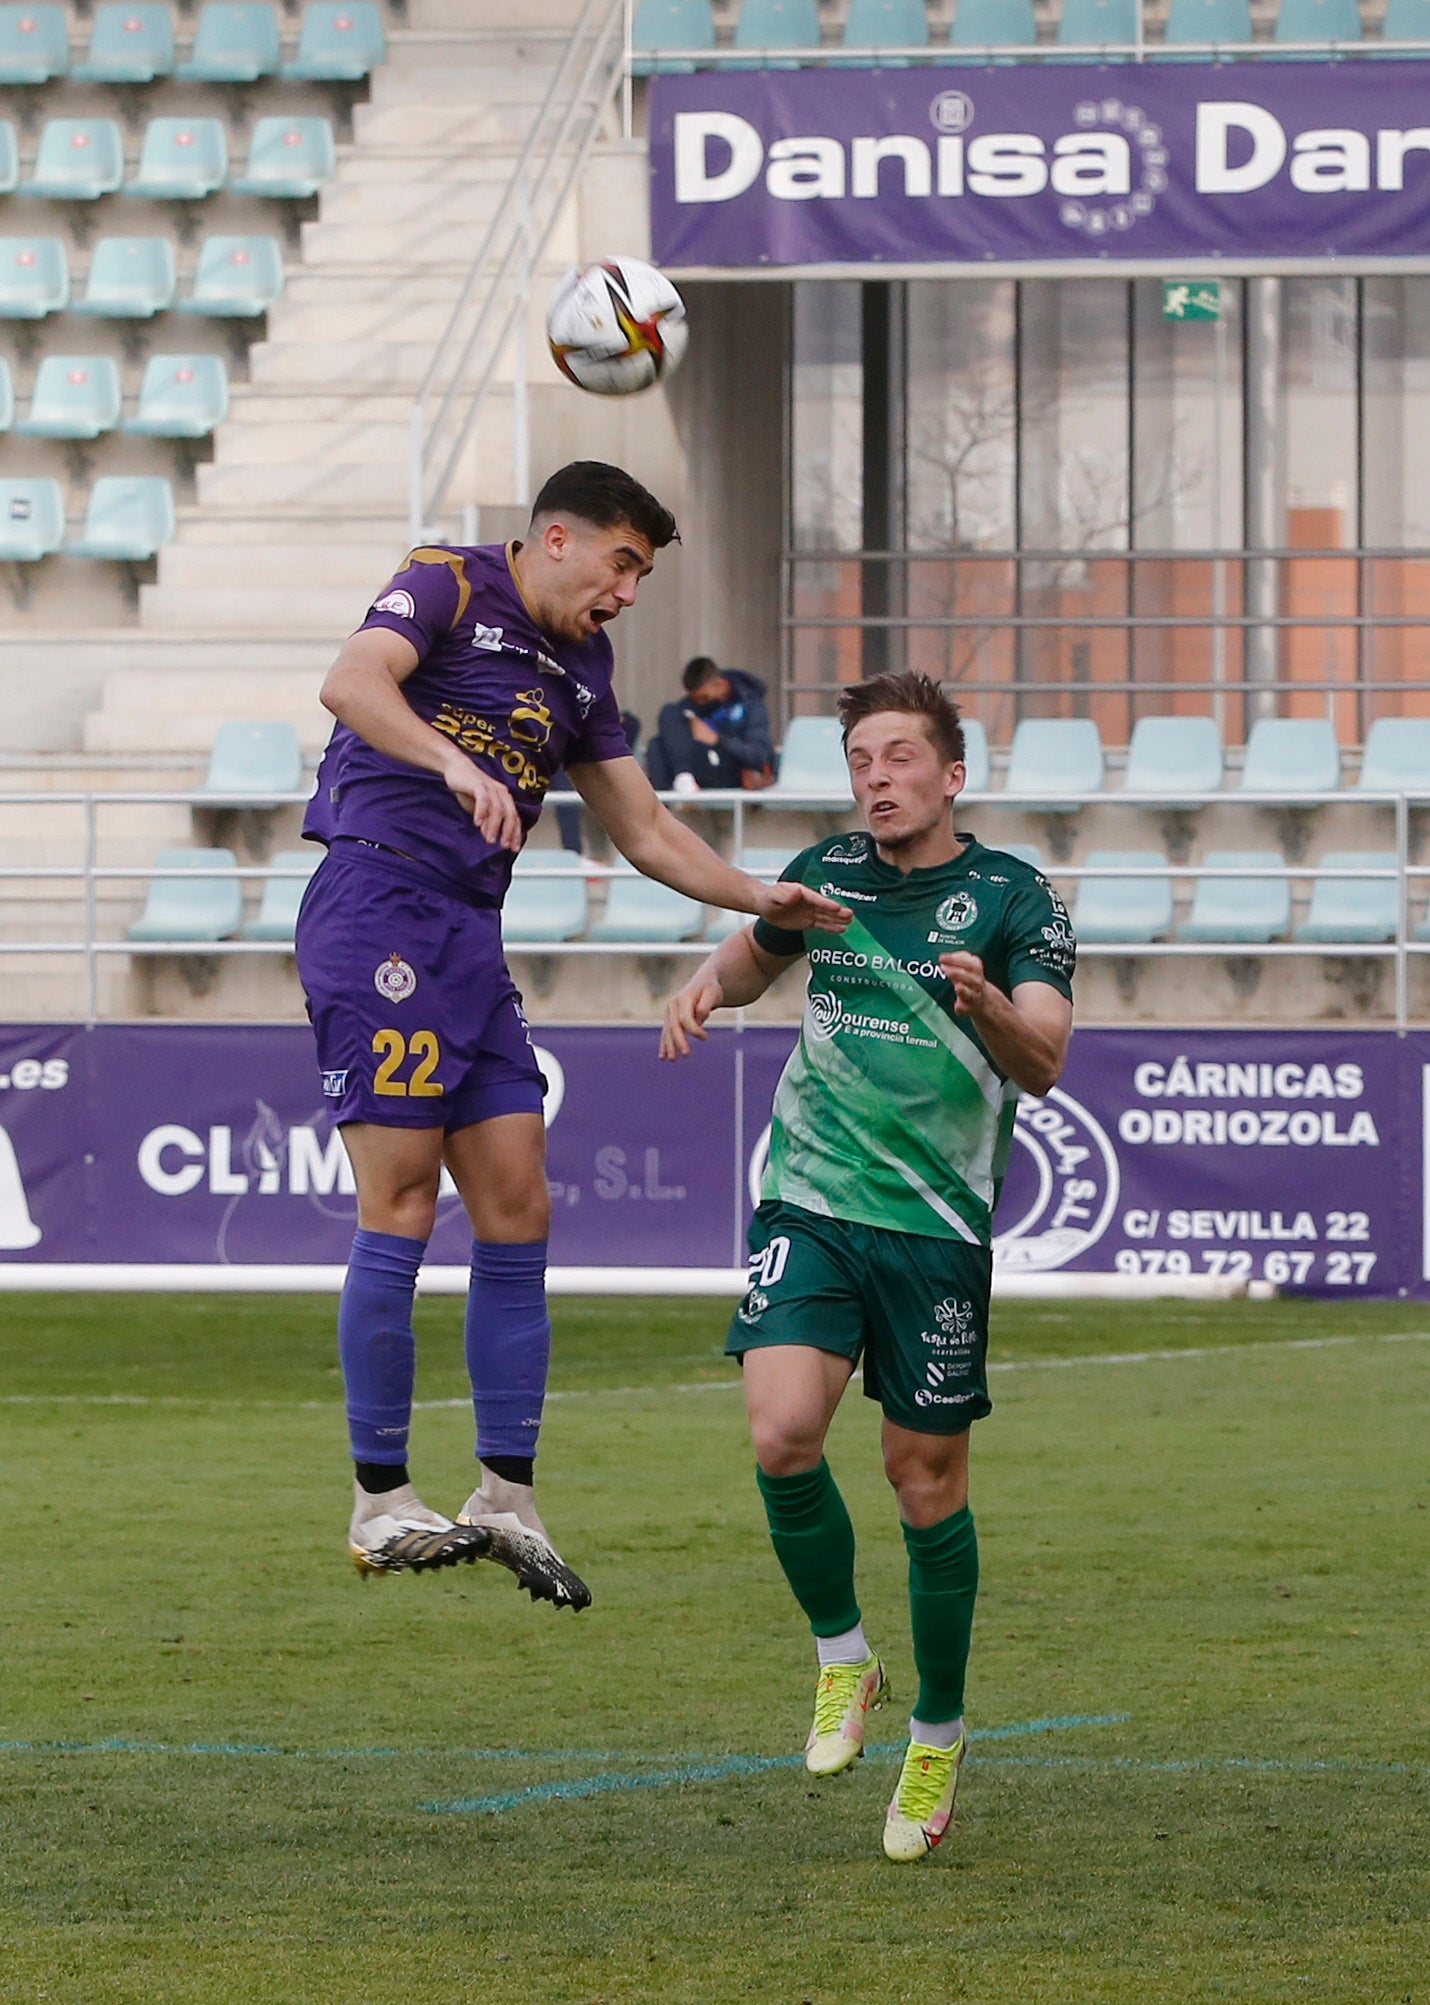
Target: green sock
[(814, 1543), (943, 1585)]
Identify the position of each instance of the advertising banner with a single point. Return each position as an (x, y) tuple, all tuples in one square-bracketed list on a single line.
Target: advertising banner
[(1295, 1157), (1161, 162)]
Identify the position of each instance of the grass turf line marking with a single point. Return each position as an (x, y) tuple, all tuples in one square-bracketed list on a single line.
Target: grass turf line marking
[(260, 1748), (715, 1768), (721, 1384)]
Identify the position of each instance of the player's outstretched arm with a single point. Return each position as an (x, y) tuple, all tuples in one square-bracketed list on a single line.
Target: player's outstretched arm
[(363, 689), (1026, 1034), (738, 972), (660, 846)]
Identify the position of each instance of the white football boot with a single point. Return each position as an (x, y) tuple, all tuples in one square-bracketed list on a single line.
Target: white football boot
[(394, 1532), (507, 1511)]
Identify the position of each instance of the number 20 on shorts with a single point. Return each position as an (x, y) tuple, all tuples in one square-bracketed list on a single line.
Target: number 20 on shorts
[(393, 1050)]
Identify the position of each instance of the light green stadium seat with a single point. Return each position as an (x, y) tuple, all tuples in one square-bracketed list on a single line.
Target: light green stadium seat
[(187, 910), (1173, 757), (130, 278), (9, 158), (34, 277), (976, 762), (776, 24), (1358, 911), (1291, 756), (1240, 911), (7, 396), (987, 24), (886, 24), (1315, 21), (1396, 758), (1219, 21), (277, 916), (341, 41), (129, 519), (32, 520), (34, 44), (181, 160), (1422, 931), (1026, 852), (639, 909), (131, 42), (181, 397), (1090, 25), (75, 397), (811, 762), (236, 42), (1054, 761), (237, 278), (545, 908), (79, 159), (254, 762), (288, 158), (669, 24), (1405, 21), (1132, 909)]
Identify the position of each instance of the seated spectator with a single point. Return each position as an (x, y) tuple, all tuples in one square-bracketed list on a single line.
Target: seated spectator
[(718, 735), (568, 819)]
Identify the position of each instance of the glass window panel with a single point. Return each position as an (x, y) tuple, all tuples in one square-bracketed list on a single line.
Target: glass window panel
[(1319, 428), (1395, 481)]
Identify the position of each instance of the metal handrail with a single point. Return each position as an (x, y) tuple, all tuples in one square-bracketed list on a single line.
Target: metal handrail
[(950, 55)]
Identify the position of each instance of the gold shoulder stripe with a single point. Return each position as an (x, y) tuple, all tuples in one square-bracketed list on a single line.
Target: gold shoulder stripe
[(454, 564)]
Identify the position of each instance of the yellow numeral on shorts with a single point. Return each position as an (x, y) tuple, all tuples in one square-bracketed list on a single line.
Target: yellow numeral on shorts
[(393, 1048)]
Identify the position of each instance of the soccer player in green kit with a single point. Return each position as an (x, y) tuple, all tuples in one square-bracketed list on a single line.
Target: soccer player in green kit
[(892, 1122)]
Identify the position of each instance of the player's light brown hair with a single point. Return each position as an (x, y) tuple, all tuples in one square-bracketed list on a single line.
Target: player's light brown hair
[(918, 696)]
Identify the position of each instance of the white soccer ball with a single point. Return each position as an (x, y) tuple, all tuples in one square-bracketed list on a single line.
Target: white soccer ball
[(616, 327)]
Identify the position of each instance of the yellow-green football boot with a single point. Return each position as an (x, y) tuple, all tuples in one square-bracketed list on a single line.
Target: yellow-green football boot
[(923, 1802), (843, 1698)]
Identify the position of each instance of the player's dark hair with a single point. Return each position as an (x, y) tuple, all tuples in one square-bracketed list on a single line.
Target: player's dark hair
[(606, 496), (704, 668), (919, 695)]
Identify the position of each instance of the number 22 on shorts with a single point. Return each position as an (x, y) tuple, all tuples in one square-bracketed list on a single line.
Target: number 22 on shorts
[(393, 1050)]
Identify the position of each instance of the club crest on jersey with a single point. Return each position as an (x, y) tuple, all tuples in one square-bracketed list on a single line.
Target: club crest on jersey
[(395, 979), (850, 849), (488, 639), (401, 603), (957, 912)]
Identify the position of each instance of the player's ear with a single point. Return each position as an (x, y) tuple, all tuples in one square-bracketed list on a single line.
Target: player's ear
[(954, 779), (555, 538)]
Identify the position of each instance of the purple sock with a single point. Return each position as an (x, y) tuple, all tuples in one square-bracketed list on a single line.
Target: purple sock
[(508, 1344), (376, 1344)]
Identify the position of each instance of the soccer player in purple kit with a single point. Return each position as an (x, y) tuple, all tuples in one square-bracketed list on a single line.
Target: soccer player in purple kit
[(477, 674)]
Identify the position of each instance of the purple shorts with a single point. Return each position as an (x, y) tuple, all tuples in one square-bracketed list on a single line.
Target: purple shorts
[(418, 1021)]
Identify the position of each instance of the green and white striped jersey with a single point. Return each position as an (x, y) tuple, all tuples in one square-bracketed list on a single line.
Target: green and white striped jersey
[(890, 1111)]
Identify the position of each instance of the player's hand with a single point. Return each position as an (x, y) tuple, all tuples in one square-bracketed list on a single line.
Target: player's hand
[(487, 801), (965, 971), (686, 1015), (794, 908)]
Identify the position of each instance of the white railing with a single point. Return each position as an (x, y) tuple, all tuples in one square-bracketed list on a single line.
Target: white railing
[(492, 309), (950, 55)]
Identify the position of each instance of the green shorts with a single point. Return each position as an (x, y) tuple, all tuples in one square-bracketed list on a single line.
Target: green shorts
[(914, 1308)]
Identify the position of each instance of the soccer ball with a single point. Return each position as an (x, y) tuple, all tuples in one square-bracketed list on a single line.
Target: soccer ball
[(616, 327)]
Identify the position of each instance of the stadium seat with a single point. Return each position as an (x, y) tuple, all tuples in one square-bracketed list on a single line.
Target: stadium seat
[(277, 916), (1207, 21), (181, 160), (1396, 758), (1054, 761), (79, 159), (1405, 21), (545, 908), (1092, 24), (985, 24), (131, 42), (1292, 756), (776, 24), (1026, 852), (236, 42), (1131, 909), (975, 757), (237, 277), (7, 396), (32, 520), (811, 762), (1359, 911), (288, 158), (9, 158), (669, 24), (34, 277), (886, 24), (1239, 911), (338, 43), (181, 397), (190, 910), (639, 909), (254, 762), (130, 278), (75, 397), (129, 519), (1315, 21), (1173, 756), (34, 44)]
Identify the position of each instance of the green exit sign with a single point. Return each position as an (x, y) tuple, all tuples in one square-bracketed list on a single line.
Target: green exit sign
[(1191, 299)]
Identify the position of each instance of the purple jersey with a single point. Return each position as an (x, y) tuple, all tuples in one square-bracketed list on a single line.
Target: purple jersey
[(519, 703)]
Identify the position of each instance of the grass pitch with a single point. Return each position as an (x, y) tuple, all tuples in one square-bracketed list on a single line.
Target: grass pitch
[(222, 1752)]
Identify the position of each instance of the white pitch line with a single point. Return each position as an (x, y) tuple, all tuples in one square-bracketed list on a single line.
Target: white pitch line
[(720, 1384)]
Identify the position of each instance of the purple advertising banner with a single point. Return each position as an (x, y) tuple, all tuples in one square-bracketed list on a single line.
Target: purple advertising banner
[(1295, 1157), (1163, 163)]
